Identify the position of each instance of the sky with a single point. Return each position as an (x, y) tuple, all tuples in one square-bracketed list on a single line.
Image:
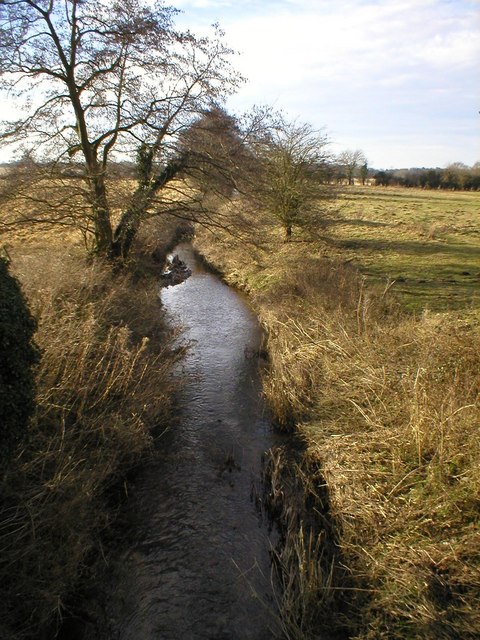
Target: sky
[(397, 79)]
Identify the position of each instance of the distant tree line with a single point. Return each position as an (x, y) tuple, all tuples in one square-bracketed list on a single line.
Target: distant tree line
[(457, 177), (350, 167)]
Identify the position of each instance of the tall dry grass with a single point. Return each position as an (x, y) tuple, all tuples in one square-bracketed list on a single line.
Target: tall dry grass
[(103, 384), (306, 559), (389, 408)]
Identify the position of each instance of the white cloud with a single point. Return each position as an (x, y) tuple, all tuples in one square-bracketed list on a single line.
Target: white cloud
[(362, 38), (202, 4)]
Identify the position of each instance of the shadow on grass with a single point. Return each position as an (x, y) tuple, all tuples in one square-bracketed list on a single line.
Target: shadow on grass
[(356, 222), (316, 592), (437, 291), (428, 196), (410, 247)]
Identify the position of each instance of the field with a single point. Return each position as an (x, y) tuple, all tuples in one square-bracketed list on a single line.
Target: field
[(424, 244), (373, 337)]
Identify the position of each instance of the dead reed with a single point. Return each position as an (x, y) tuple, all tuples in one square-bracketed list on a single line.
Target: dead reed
[(388, 405), (102, 385), (305, 560)]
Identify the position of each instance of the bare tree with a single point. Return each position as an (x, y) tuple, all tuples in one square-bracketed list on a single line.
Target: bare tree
[(97, 81), (349, 161), (292, 182)]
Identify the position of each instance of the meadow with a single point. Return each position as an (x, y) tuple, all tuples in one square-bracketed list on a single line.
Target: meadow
[(424, 244), (373, 336)]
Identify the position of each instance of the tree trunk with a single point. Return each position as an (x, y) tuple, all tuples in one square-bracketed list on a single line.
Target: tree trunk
[(103, 230), (125, 233), (288, 232), (131, 219), (101, 212)]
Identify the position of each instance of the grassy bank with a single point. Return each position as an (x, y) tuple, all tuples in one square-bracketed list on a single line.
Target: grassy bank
[(386, 401), (103, 383)]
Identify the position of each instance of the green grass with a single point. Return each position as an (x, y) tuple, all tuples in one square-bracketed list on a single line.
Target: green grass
[(427, 243)]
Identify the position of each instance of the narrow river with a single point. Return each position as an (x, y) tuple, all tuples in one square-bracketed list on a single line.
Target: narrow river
[(199, 567)]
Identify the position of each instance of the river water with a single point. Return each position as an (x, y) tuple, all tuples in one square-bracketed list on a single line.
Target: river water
[(199, 565)]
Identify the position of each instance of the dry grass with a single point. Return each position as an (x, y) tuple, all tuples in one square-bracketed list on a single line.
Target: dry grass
[(33, 198), (394, 420), (388, 405), (305, 560), (102, 385)]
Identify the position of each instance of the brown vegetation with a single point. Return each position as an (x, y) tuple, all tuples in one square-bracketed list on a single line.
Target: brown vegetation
[(388, 406), (103, 383)]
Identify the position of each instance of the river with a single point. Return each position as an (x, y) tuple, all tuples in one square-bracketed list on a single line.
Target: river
[(199, 564)]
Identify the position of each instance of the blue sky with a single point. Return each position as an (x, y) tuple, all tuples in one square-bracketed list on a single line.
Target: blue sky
[(398, 79)]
